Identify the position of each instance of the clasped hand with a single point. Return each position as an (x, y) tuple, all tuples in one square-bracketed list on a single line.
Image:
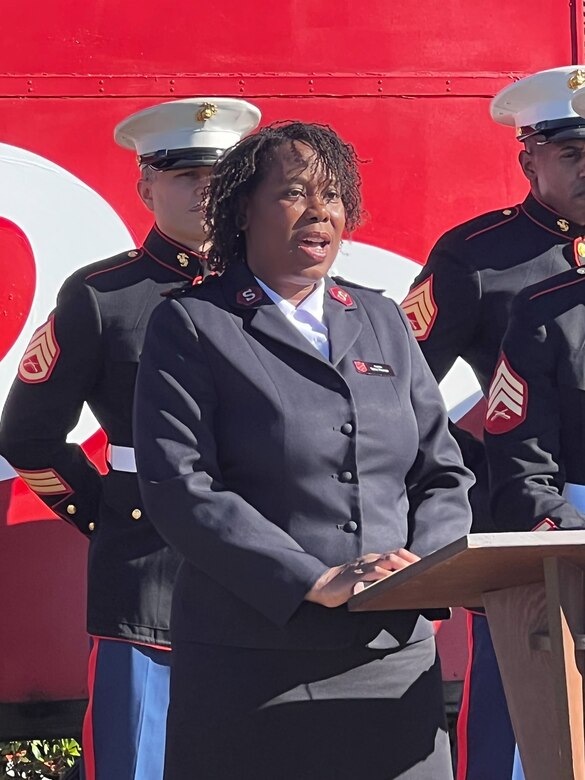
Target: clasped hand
[(336, 585)]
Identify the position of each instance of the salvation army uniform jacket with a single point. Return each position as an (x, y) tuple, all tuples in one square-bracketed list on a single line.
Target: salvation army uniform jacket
[(88, 350), (535, 421), (278, 463), (459, 304)]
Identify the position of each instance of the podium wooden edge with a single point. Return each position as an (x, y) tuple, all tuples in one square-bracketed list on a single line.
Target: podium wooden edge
[(510, 540)]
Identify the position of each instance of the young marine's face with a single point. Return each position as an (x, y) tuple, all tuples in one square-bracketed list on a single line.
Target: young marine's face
[(293, 222), (176, 200), (556, 172)]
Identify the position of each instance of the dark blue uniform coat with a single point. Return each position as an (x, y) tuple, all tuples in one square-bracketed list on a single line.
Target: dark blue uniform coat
[(535, 434), (98, 326)]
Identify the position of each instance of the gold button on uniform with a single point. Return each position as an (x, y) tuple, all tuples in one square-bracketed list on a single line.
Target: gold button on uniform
[(136, 514), (91, 526), (507, 212), (581, 270), (581, 248), (71, 509), (133, 253)]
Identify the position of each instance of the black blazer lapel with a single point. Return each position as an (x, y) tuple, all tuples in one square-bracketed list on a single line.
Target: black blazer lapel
[(342, 319)]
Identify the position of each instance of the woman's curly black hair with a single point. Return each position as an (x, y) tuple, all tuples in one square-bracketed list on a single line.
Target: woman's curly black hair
[(240, 171)]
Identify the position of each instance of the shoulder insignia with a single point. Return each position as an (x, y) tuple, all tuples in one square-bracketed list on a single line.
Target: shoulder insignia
[(112, 264), (249, 295), (341, 295), (507, 401), (44, 482), (494, 219), (421, 309), (41, 355)]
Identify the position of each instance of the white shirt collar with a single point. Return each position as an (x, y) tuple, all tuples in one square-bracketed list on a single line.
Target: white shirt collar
[(312, 304), (307, 317)]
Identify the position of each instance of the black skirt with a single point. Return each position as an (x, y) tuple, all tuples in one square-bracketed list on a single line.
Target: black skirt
[(244, 714)]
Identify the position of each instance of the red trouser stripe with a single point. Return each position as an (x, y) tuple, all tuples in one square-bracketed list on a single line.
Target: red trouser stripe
[(462, 721), (87, 734)]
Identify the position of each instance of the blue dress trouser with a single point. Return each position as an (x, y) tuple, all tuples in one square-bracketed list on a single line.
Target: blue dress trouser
[(125, 723), (486, 745)]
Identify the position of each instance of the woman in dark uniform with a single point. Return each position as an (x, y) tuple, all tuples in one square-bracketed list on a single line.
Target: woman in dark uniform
[(292, 445)]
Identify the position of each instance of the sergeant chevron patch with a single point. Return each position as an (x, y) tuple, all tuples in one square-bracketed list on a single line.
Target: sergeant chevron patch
[(507, 401), (421, 309), (41, 355), (44, 482)]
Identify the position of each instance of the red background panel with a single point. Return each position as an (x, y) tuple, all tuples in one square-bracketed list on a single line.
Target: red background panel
[(429, 162), (407, 82), (288, 36)]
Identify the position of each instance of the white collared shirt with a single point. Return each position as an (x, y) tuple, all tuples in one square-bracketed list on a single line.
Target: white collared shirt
[(308, 317)]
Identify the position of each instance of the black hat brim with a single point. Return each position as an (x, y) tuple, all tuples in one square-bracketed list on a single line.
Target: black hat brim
[(172, 159)]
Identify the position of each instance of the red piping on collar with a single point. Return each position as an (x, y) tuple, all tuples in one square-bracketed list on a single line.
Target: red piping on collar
[(171, 241), (115, 267), (166, 265), (498, 224)]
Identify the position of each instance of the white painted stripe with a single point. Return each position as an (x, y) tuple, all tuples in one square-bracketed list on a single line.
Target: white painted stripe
[(6, 470)]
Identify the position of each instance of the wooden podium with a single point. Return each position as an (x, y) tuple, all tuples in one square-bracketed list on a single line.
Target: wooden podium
[(532, 586)]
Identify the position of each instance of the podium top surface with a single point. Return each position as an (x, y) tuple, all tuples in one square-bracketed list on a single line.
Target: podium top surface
[(457, 575)]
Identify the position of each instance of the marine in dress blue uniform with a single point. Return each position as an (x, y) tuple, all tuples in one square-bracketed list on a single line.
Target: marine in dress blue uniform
[(88, 351), (534, 425), (535, 433), (459, 307)]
